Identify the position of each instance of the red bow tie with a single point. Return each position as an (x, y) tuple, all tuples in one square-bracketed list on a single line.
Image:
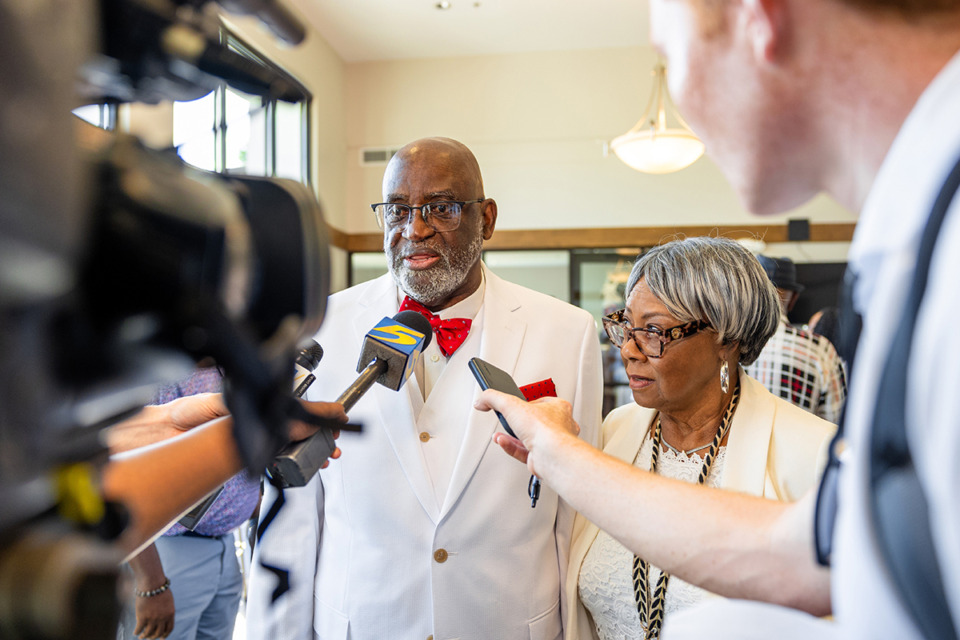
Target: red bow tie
[(450, 333)]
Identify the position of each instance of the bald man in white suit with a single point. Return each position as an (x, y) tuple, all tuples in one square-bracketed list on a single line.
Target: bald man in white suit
[(422, 529)]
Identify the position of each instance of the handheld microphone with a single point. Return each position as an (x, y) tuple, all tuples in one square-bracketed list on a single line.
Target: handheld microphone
[(304, 366), (389, 354)]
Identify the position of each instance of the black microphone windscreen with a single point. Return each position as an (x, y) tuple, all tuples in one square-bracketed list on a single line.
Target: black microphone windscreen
[(417, 322), (310, 356), (315, 352)]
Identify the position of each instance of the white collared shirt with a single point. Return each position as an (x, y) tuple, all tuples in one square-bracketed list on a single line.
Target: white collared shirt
[(432, 363), (883, 257), (441, 441)]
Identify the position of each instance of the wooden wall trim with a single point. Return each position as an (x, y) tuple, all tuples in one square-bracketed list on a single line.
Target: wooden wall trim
[(338, 238), (611, 238)]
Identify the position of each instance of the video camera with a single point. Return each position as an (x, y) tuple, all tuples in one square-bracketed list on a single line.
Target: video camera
[(120, 267)]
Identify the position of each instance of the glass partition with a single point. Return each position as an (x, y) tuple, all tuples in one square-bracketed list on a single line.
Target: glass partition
[(544, 271), (595, 280)]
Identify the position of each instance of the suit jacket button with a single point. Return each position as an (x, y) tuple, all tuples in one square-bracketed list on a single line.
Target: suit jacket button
[(424, 436), (440, 555), (429, 637)]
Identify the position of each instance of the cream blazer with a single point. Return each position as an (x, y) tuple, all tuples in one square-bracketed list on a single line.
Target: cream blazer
[(775, 450), (371, 551)]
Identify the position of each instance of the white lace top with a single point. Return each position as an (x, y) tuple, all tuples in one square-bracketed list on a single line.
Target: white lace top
[(606, 584)]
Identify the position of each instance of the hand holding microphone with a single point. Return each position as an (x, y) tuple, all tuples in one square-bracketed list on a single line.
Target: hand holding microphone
[(390, 352), (304, 365)]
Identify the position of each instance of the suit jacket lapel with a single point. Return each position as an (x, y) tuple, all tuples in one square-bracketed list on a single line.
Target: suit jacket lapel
[(624, 445), (749, 442), (502, 338), (626, 442), (396, 407)]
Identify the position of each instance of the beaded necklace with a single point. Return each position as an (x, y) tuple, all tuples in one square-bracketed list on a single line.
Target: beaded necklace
[(651, 612)]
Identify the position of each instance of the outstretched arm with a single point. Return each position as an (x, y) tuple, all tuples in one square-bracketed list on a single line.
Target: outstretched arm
[(732, 544), (158, 483), (155, 423)]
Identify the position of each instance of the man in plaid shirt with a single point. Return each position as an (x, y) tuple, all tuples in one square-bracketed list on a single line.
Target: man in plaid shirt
[(801, 367)]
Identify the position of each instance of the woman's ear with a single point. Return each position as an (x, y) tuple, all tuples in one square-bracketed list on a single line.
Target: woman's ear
[(730, 352)]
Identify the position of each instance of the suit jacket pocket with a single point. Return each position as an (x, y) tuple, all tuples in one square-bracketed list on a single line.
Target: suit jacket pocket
[(547, 625)]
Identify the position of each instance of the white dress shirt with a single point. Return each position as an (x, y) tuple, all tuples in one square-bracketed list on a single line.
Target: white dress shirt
[(441, 442)]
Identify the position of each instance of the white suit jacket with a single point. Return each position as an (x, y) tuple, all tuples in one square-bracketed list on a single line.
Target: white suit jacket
[(371, 554), (775, 450)]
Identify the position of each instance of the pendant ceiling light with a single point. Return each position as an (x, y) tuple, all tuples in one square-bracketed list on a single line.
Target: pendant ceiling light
[(653, 145)]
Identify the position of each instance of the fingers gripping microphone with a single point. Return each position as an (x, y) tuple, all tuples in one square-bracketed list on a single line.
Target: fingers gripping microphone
[(390, 353), (304, 366), (310, 452)]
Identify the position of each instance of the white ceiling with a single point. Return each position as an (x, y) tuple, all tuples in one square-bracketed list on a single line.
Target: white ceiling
[(365, 30)]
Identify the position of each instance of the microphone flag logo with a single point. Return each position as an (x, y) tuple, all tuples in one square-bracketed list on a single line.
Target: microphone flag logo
[(399, 338)]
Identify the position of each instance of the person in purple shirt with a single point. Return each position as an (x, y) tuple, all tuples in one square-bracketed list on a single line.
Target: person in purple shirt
[(188, 583)]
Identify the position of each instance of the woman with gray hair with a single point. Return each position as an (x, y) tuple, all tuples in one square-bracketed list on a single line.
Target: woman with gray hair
[(696, 310)]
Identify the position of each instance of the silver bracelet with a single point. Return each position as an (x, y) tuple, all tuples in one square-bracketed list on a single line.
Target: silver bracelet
[(153, 592)]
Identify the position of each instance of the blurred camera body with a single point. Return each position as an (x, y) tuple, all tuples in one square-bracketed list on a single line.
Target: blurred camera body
[(120, 267)]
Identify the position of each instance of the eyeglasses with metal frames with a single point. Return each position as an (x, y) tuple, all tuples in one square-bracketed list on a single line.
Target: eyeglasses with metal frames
[(443, 215), (650, 341)]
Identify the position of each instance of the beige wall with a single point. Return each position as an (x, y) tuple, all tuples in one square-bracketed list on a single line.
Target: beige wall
[(151, 123), (538, 123)]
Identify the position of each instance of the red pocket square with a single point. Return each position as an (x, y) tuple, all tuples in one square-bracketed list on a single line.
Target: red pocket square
[(540, 389)]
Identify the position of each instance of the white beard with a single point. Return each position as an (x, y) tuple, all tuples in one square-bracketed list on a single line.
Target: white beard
[(432, 285)]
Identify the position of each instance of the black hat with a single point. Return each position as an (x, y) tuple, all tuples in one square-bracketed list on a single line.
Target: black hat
[(782, 272)]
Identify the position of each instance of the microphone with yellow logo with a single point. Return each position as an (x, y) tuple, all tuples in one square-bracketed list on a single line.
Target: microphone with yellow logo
[(390, 353)]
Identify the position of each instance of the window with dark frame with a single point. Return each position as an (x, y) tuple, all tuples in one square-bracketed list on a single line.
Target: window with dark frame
[(230, 131)]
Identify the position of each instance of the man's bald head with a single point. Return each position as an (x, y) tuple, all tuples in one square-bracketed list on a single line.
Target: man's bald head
[(440, 153)]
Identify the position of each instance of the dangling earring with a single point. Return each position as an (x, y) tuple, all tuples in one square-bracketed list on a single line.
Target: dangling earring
[(725, 377)]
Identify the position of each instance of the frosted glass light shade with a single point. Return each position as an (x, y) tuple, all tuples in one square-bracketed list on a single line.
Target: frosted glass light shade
[(660, 142), (658, 151)]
